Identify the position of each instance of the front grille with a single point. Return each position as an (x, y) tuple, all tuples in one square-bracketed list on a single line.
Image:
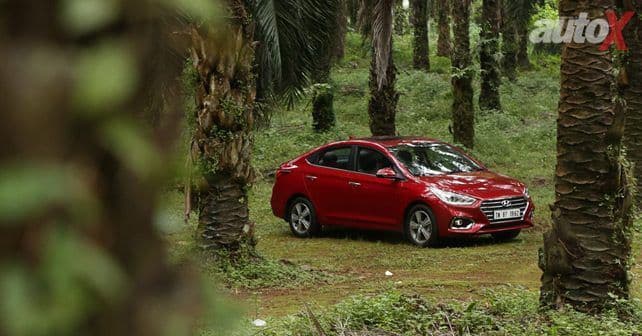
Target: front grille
[(489, 207)]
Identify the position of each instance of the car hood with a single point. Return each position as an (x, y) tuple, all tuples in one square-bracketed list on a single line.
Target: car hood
[(482, 184)]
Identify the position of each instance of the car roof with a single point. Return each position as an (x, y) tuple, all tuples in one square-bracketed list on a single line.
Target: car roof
[(391, 141)]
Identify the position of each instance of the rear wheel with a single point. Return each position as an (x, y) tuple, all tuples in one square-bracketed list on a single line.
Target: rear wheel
[(420, 227), (302, 218), (506, 235)]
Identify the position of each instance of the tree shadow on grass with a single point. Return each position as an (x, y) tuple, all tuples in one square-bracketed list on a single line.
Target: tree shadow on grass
[(397, 238)]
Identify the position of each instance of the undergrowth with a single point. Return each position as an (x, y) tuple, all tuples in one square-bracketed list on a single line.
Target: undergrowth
[(252, 271), (510, 311)]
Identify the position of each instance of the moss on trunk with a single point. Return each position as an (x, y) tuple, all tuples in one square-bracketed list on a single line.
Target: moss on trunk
[(462, 109), (489, 98)]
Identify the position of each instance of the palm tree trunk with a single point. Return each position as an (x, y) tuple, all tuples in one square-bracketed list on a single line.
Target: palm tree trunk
[(523, 60), (382, 108), (633, 95), (340, 31), (462, 111), (509, 45), (81, 237), (401, 19), (443, 43), (323, 117), (585, 258), (421, 60), (489, 97), (222, 139)]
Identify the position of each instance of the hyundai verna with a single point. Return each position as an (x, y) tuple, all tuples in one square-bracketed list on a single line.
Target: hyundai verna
[(424, 188)]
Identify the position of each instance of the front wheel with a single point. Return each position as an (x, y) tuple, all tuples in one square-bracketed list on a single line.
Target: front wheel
[(420, 227), (302, 218), (506, 235)]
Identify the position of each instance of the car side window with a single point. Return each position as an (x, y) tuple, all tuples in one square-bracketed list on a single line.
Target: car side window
[(338, 158), (369, 161)]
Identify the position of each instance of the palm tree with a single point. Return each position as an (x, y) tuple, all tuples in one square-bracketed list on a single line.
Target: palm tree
[(509, 42), (489, 98), (443, 13), (291, 35), (341, 8), (421, 59), (222, 140), (462, 111), (586, 253), (523, 60), (517, 17), (323, 118), (633, 94), (79, 238), (375, 17)]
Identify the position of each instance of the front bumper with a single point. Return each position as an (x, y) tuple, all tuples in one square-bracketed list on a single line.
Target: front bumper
[(480, 224)]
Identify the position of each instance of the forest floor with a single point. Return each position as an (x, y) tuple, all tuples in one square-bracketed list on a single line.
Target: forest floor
[(518, 141)]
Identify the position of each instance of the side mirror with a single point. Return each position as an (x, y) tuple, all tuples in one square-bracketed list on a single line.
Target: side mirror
[(387, 173)]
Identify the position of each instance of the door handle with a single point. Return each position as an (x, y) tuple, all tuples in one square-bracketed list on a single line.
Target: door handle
[(311, 178), (354, 184)]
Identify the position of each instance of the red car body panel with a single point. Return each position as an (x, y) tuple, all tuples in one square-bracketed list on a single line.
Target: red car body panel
[(357, 200)]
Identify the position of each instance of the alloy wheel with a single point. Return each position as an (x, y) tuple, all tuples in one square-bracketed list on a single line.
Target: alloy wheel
[(420, 227), (301, 218)]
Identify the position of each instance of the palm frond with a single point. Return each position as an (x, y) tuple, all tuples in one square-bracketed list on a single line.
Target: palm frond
[(291, 33)]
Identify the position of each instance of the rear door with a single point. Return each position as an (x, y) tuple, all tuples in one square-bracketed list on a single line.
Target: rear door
[(377, 201), (327, 181)]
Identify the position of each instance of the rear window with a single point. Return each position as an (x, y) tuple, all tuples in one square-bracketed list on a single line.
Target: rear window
[(338, 158)]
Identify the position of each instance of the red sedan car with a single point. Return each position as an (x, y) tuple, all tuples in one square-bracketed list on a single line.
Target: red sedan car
[(425, 188)]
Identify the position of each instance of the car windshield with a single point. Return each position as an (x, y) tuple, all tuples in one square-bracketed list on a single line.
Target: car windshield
[(423, 159)]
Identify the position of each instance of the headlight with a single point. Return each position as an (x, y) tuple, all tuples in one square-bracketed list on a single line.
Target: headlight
[(452, 198), (526, 193)]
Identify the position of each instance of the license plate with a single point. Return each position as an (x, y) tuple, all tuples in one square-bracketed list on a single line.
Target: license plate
[(507, 214)]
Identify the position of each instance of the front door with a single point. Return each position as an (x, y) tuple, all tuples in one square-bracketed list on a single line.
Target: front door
[(376, 201)]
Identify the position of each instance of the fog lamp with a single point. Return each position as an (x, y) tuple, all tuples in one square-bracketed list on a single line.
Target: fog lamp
[(462, 224)]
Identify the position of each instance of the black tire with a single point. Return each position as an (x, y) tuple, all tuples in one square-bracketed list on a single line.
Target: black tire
[(421, 217), (298, 223), (506, 235)]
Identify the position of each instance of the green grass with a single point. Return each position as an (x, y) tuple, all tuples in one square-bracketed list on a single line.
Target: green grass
[(520, 142)]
